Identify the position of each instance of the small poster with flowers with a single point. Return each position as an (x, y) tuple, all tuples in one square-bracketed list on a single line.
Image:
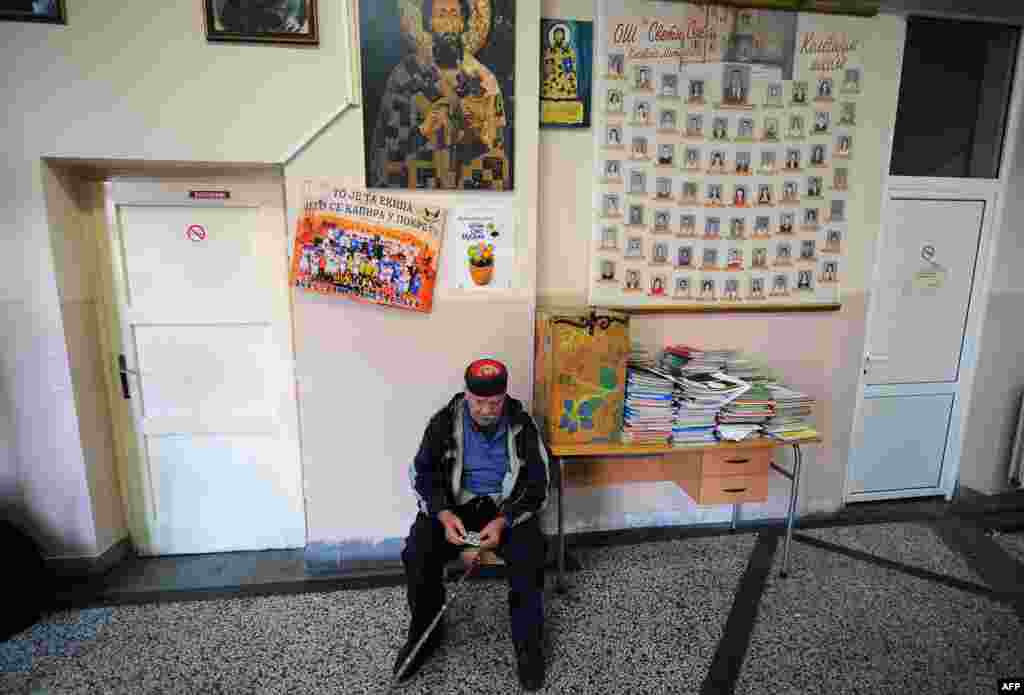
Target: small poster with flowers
[(484, 253)]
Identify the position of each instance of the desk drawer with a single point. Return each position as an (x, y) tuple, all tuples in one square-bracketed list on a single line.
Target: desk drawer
[(736, 462), (731, 489)]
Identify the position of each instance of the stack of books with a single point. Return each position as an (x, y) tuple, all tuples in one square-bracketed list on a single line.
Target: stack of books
[(699, 399), (681, 360), (647, 416), (640, 356), (792, 419), (746, 414), (750, 369)]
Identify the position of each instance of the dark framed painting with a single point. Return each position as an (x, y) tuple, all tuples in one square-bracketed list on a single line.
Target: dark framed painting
[(566, 59), (49, 11), (438, 81), (262, 21)]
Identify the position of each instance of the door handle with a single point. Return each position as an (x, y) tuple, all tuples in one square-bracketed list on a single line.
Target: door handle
[(869, 358), (122, 368), (737, 460)]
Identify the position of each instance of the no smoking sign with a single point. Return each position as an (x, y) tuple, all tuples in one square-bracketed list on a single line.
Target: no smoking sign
[(196, 233)]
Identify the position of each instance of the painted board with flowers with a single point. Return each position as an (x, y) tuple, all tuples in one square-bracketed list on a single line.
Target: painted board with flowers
[(580, 358)]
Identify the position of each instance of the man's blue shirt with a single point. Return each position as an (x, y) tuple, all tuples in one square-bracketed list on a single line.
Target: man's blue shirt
[(485, 459)]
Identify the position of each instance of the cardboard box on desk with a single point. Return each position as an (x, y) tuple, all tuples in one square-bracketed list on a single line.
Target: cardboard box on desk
[(580, 363)]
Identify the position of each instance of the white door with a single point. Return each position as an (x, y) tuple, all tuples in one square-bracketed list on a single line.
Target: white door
[(203, 311), (907, 424)]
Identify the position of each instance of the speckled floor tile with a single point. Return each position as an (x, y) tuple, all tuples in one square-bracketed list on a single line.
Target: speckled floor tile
[(1013, 543), (914, 544), (866, 629), (643, 618)]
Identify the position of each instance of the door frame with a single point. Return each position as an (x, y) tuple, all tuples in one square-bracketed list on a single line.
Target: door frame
[(993, 193), (136, 491)]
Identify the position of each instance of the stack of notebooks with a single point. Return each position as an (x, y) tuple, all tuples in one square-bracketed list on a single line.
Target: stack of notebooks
[(792, 421), (640, 356), (647, 416), (681, 360), (699, 399), (747, 368), (746, 414)]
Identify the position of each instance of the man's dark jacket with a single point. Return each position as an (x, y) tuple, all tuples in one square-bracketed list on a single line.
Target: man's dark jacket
[(436, 473)]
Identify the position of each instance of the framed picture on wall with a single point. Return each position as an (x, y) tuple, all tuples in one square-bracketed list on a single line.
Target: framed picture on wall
[(49, 11), (262, 21)]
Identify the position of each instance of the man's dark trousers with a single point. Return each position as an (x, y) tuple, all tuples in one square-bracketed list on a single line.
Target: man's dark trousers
[(523, 548)]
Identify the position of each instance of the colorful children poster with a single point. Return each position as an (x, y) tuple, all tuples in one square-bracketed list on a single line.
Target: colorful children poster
[(566, 61), (370, 247), (483, 253)]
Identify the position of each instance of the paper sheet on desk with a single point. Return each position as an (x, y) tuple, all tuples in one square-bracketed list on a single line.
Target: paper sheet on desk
[(737, 433)]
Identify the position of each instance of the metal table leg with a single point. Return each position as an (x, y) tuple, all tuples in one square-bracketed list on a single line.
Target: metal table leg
[(735, 517), (560, 584), (793, 493)]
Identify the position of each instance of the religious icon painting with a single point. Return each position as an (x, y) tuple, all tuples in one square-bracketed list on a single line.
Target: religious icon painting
[(566, 62), (412, 50)]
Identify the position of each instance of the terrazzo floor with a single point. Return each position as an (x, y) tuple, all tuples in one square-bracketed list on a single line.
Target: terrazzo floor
[(880, 608)]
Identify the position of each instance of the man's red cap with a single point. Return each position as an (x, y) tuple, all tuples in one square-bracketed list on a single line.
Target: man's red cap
[(486, 377)]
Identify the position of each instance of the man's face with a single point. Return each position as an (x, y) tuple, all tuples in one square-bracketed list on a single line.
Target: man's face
[(447, 25), (485, 410)]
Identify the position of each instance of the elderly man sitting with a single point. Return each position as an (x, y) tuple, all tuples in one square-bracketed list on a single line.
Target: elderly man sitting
[(480, 467)]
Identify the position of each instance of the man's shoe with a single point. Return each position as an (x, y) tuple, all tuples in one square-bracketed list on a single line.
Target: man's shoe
[(428, 648), (530, 664)]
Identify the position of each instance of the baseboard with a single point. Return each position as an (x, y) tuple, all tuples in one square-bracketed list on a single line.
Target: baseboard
[(91, 565), (325, 558)]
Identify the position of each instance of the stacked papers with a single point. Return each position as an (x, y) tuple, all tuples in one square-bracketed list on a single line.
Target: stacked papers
[(736, 433), (699, 398), (754, 407), (792, 420), (682, 360), (640, 356), (647, 416)]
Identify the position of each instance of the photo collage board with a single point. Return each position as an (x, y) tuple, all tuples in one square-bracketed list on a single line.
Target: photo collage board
[(725, 148)]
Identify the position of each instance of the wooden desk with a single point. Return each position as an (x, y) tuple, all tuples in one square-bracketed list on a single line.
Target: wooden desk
[(686, 470)]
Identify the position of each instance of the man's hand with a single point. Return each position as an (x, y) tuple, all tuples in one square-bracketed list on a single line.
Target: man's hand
[(490, 535), (454, 531)]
